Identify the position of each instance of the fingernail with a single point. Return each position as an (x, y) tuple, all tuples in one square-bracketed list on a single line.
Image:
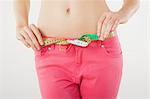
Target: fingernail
[(105, 35), (41, 43), (38, 48), (34, 49), (111, 30), (101, 38)]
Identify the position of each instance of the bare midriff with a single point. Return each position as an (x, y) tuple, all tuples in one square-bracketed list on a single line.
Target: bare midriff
[(70, 18)]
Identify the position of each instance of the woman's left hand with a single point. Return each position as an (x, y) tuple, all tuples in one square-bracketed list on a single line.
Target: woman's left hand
[(108, 23)]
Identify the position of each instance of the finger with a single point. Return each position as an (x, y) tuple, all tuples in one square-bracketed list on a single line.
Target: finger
[(101, 36), (27, 38), (18, 37), (108, 28), (23, 41), (115, 25), (33, 38), (30, 41), (37, 33), (104, 27), (100, 22)]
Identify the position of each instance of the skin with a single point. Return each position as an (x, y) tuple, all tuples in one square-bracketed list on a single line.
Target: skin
[(69, 18)]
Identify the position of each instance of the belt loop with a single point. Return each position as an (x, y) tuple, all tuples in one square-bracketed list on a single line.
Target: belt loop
[(68, 47), (62, 48), (59, 47), (101, 43), (78, 55)]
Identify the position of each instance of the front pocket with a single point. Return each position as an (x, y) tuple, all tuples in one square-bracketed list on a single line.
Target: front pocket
[(114, 54), (112, 47), (44, 50)]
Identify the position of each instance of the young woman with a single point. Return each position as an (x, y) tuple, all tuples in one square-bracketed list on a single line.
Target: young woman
[(77, 49)]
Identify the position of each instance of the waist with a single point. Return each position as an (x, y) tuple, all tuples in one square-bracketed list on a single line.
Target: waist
[(83, 41)]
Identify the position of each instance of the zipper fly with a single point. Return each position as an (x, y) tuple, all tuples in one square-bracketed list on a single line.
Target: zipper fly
[(78, 55)]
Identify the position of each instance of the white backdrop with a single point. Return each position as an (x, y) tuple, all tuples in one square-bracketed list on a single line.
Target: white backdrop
[(17, 72)]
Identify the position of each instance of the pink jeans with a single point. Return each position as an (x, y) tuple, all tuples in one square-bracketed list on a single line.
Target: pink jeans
[(74, 72)]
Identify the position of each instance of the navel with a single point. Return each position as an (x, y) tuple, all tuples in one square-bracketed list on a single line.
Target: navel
[(68, 10)]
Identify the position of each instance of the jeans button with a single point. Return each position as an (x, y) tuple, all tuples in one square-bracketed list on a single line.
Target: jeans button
[(49, 48), (102, 46)]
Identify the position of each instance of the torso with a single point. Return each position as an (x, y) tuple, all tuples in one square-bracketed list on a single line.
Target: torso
[(70, 18)]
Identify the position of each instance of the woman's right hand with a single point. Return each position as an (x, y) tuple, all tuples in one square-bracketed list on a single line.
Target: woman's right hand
[(30, 36)]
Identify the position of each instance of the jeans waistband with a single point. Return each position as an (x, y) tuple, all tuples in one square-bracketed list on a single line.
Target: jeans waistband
[(82, 41), (107, 40)]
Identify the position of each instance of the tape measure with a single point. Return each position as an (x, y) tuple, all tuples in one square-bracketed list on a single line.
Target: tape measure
[(84, 40)]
